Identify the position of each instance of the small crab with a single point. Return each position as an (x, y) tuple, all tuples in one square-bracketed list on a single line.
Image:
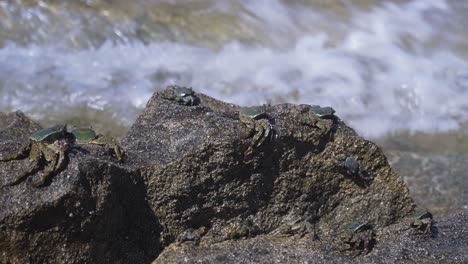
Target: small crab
[(422, 221), (89, 136), (322, 112), (184, 96), (190, 234), (258, 123), (46, 146), (352, 165), (357, 238), (241, 230), (293, 224)]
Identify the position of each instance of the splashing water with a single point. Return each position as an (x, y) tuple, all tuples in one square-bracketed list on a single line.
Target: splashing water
[(388, 68)]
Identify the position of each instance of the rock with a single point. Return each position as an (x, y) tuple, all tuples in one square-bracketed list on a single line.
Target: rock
[(197, 173), (200, 185), (448, 243), (397, 244), (15, 128), (94, 211)]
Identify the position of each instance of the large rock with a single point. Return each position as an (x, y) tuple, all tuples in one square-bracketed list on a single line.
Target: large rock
[(94, 211), (195, 188), (199, 176)]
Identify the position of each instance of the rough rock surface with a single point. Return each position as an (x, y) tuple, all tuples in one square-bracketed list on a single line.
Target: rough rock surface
[(92, 212), (397, 244), (190, 188), (198, 176)]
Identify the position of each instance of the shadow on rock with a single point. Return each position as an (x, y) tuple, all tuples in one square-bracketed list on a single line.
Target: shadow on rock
[(203, 171), (207, 181), (93, 211)]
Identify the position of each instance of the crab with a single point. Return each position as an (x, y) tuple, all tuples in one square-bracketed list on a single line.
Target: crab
[(47, 146), (241, 230), (258, 124), (184, 96), (357, 238), (190, 234), (422, 221), (293, 224), (322, 112), (352, 165), (85, 136)]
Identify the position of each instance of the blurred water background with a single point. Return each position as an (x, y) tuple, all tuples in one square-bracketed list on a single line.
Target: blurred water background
[(396, 71)]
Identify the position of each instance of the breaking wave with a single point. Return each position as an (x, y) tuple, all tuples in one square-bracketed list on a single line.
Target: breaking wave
[(389, 68)]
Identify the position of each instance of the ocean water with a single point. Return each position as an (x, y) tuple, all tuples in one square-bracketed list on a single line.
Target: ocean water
[(389, 68)]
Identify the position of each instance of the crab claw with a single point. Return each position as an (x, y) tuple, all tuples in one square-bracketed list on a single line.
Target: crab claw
[(63, 144)]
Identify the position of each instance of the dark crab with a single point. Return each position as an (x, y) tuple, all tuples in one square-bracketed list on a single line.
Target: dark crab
[(184, 96), (422, 221), (45, 147), (89, 136), (258, 124), (351, 165), (357, 238)]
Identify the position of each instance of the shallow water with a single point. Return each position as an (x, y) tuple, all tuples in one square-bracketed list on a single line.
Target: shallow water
[(389, 68)]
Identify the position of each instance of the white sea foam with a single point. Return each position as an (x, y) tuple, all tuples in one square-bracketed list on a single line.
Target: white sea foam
[(382, 76)]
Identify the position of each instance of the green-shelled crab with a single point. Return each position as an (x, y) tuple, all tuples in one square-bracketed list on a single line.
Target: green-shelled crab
[(258, 124), (422, 221), (294, 224), (184, 96), (357, 238), (322, 112), (49, 147), (85, 136), (45, 147)]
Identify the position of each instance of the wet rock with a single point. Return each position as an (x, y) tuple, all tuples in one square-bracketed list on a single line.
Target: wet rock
[(197, 173), (94, 211)]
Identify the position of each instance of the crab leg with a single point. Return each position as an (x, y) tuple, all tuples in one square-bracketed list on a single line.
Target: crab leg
[(33, 168), (47, 173), (265, 129), (118, 152), (22, 154)]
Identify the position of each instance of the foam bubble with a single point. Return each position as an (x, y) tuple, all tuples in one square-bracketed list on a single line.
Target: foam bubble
[(380, 76)]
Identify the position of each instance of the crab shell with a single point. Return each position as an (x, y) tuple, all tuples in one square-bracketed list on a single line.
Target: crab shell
[(89, 136), (352, 165), (323, 112), (253, 112), (357, 238), (183, 91), (421, 215), (49, 134), (84, 135)]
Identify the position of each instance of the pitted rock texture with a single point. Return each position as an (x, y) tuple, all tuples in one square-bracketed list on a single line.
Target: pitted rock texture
[(198, 176), (94, 211), (398, 244), (190, 189)]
